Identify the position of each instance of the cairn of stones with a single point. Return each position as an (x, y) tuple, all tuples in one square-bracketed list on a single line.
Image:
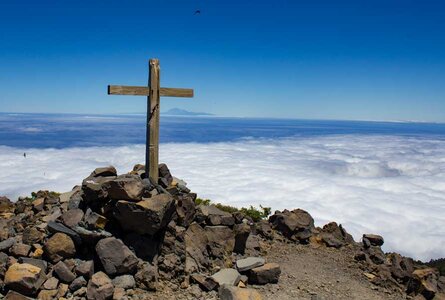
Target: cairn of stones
[(124, 237)]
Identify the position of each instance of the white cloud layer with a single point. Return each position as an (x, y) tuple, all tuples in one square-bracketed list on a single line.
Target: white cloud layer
[(393, 186)]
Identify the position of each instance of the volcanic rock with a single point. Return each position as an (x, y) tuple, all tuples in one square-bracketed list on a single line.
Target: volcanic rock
[(214, 216), (197, 256), (24, 278), (77, 283), (235, 293), (85, 269), (242, 232), (32, 235), (125, 187), (249, 263), (269, 273), (6, 206), (100, 287), (72, 217), (116, 258), (54, 227), (335, 236), (40, 263), (104, 172), (185, 209), (221, 241), (165, 177), (296, 225), (147, 276), (124, 281), (51, 283), (58, 247), (374, 240), (204, 282), (227, 276), (20, 249), (63, 272), (147, 216)]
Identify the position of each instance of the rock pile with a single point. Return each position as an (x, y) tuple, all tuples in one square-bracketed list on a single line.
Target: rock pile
[(125, 237), (120, 237)]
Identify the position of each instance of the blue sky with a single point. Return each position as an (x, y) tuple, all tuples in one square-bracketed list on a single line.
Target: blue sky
[(378, 60)]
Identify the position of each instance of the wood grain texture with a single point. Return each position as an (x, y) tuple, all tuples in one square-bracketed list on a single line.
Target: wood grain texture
[(128, 90), (152, 159), (145, 91)]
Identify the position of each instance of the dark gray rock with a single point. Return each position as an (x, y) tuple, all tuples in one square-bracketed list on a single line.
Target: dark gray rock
[(116, 258), (185, 209), (85, 269), (242, 232), (54, 227), (164, 173), (72, 217), (124, 281), (296, 225), (20, 249), (125, 187), (221, 241), (268, 273), (104, 172), (147, 277), (205, 283), (214, 216), (229, 277), (63, 272), (6, 244), (249, 263), (374, 239), (77, 284), (147, 216), (100, 287), (32, 235)]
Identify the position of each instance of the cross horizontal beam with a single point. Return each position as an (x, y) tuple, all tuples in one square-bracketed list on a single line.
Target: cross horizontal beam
[(145, 91)]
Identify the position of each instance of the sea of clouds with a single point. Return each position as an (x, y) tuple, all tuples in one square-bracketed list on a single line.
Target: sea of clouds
[(389, 185)]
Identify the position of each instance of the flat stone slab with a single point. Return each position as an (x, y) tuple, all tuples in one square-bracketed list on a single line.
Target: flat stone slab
[(230, 277), (249, 263)]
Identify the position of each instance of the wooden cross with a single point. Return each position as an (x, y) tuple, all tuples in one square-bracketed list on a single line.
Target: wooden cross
[(153, 92)]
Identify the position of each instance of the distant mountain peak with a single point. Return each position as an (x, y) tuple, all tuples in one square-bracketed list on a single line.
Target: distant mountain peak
[(182, 112)]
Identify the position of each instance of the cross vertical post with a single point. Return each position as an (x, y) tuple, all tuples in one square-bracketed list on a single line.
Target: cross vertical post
[(153, 106), (153, 92)]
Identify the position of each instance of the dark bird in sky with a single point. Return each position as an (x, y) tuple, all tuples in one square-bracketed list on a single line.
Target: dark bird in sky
[(198, 12), (24, 155)]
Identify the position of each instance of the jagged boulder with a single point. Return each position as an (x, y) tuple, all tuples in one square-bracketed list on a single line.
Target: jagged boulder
[(334, 235), (72, 217), (115, 257), (372, 240), (125, 187), (424, 282), (58, 247), (109, 171), (197, 256), (296, 224), (268, 273), (24, 278), (214, 216), (6, 206), (100, 287), (147, 276), (165, 177), (185, 209), (147, 216), (221, 241)]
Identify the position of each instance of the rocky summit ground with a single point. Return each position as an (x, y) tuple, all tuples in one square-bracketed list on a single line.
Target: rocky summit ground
[(126, 237)]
